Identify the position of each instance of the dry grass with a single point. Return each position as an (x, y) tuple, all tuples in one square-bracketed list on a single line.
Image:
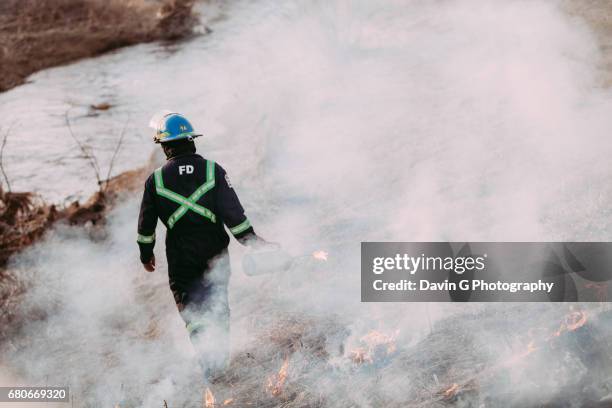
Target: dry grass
[(457, 365), (36, 34), (24, 219)]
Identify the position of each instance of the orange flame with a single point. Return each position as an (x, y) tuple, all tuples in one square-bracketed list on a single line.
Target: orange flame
[(374, 343), (575, 320), (451, 391), (228, 401), (360, 356), (320, 255), (209, 399), (277, 381), (531, 347), (572, 321), (375, 338)]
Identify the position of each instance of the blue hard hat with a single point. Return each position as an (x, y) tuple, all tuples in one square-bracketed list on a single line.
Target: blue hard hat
[(170, 126)]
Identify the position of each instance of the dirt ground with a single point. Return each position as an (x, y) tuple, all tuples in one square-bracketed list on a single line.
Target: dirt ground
[(37, 34)]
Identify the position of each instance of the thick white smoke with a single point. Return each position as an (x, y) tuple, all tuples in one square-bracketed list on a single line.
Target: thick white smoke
[(338, 122)]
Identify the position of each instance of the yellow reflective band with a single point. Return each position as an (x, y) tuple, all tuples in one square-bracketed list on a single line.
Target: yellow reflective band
[(187, 203), (243, 226), (179, 199), (145, 239), (159, 181), (204, 188)]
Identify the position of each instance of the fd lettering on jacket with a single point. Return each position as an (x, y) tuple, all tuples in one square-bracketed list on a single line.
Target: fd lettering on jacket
[(187, 169)]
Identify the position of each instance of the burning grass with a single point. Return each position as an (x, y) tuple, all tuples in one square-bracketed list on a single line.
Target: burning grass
[(374, 347), (37, 34), (467, 360), (502, 355)]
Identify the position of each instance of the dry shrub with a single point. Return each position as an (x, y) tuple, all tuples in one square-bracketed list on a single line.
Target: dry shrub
[(24, 216), (23, 219), (36, 34)]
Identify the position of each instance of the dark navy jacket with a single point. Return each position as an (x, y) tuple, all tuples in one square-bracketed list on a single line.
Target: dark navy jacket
[(183, 175)]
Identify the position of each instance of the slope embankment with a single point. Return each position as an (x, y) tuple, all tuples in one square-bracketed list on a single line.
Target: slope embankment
[(38, 34)]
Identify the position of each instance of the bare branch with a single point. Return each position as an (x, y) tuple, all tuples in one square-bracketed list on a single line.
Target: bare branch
[(117, 148), (4, 140), (89, 156)]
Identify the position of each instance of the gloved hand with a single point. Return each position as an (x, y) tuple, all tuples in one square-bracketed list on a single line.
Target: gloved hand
[(150, 266), (257, 243)]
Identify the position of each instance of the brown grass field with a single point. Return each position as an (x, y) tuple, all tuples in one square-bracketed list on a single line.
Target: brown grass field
[(37, 34)]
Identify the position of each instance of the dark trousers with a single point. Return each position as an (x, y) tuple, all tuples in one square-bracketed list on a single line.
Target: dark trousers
[(199, 282)]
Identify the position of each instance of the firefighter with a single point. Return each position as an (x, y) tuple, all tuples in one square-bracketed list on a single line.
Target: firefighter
[(194, 199)]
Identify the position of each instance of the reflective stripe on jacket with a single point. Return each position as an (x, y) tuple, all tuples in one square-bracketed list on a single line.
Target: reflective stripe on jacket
[(192, 197)]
